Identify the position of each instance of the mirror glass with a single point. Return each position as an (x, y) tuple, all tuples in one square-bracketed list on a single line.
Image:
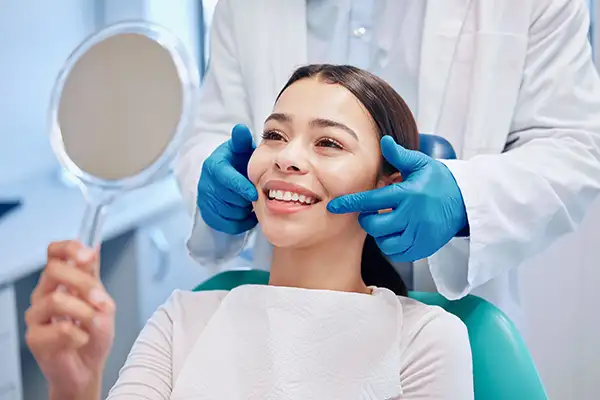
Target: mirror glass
[(119, 110)]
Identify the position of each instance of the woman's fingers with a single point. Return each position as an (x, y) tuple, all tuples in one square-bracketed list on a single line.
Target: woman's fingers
[(58, 272), (70, 250), (50, 339), (61, 304)]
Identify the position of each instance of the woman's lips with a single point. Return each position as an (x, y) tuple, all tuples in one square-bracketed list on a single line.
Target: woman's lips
[(288, 198), (286, 207)]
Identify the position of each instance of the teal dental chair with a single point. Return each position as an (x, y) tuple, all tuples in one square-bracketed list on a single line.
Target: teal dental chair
[(502, 365)]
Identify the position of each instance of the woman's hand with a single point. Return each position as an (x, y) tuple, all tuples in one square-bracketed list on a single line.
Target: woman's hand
[(70, 331)]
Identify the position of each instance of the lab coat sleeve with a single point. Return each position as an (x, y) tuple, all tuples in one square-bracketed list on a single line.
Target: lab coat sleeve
[(521, 201), (222, 104)]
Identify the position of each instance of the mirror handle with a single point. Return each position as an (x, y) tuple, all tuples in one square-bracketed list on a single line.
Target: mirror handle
[(90, 233)]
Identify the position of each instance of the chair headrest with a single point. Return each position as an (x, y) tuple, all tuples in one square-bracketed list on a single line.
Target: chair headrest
[(436, 147)]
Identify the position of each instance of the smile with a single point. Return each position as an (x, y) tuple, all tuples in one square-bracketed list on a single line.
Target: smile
[(287, 198)]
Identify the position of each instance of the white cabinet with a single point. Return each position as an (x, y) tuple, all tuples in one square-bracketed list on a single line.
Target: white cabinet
[(163, 262), (10, 370), (9, 392)]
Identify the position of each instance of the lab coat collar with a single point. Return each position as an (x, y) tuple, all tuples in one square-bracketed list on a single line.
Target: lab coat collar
[(444, 20)]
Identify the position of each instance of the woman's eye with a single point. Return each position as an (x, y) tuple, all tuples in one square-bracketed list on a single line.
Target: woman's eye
[(326, 142), (272, 135)]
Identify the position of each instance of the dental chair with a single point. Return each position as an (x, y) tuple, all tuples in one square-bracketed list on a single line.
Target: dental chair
[(502, 365)]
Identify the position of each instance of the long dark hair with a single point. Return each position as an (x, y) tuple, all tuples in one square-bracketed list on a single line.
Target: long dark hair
[(392, 117)]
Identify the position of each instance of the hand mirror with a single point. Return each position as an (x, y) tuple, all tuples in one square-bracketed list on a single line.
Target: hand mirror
[(118, 112)]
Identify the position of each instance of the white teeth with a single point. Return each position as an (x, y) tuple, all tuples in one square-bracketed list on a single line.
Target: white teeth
[(289, 196)]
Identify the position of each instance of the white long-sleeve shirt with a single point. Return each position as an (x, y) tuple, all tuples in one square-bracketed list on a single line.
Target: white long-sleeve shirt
[(265, 342)]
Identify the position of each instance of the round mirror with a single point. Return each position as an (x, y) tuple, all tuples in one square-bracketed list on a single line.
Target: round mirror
[(119, 110)]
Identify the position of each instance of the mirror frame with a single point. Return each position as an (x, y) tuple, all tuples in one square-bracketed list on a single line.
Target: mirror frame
[(189, 78)]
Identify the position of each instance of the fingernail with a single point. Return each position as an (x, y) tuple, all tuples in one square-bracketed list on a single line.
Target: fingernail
[(85, 255), (96, 322), (98, 297)]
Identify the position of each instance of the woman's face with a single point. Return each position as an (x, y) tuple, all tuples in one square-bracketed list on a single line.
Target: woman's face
[(319, 143)]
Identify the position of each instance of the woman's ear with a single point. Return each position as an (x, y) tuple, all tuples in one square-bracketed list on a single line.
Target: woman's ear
[(396, 177)]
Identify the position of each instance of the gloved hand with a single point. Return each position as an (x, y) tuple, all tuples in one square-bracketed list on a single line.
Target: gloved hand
[(427, 206), (225, 194)]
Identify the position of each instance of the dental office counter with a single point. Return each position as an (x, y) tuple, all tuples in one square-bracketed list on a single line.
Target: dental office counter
[(143, 260)]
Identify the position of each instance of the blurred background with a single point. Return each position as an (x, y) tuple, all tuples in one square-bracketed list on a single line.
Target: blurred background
[(144, 256)]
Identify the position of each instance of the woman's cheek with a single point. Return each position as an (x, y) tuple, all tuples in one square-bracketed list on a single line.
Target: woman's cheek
[(256, 166), (352, 180)]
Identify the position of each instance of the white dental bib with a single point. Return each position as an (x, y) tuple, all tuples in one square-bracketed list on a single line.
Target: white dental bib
[(266, 342)]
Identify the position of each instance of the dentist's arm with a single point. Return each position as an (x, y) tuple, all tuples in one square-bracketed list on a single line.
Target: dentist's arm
[(521, 201), (222, 104), (475, 219)]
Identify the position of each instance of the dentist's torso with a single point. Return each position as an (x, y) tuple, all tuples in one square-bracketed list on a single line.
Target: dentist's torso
[(458, 64)]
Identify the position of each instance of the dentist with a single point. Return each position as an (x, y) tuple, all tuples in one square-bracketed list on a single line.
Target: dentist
[(511, 86)]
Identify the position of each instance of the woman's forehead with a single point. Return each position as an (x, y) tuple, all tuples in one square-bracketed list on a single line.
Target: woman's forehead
[(310, 98)]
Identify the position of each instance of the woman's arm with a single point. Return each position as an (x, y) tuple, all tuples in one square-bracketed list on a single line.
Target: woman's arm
[(147, 373), (437, 362)]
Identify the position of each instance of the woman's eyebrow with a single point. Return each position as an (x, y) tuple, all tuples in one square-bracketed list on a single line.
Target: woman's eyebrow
[(327, 123), (280, 117)]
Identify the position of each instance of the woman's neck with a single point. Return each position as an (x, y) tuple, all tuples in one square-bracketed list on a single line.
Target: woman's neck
[(330, 265)]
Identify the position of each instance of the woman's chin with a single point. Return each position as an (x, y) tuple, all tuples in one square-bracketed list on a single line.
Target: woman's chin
[(287, 234)]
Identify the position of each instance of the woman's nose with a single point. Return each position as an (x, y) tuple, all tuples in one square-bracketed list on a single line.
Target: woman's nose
[(291, 161)]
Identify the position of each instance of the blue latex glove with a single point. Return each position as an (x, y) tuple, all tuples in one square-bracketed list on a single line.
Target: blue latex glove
[(428, 208), (225, 194)]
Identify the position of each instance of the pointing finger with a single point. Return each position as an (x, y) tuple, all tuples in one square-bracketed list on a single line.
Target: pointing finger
[(368, 202)]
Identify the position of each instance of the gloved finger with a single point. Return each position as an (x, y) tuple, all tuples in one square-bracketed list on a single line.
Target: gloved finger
[(226, 176), (242, 141), (233, 212), (230, 227), (378, 225), (233, 198), (218, 204), (393, 244), (370, 201), (247, 223), (399, 247), (405, 161)]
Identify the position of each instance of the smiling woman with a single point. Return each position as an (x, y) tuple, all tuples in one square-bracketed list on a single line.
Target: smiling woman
[(321, 329), (321, 142)]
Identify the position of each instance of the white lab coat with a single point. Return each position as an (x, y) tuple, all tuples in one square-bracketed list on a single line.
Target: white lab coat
[(499, 75)]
